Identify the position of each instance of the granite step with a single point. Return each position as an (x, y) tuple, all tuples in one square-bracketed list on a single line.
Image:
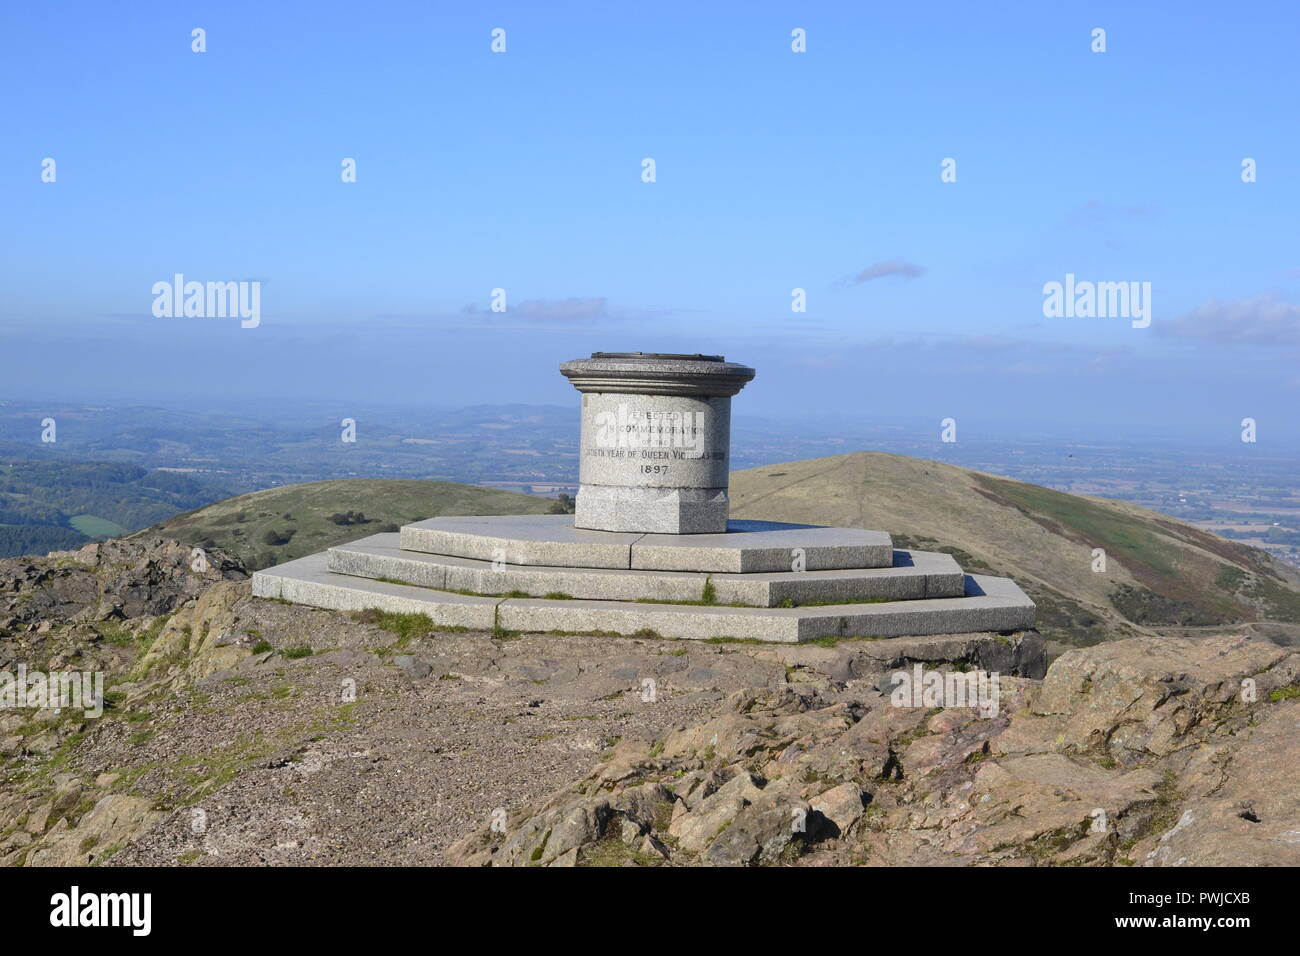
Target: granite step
[(309, 581), (553, 541), (988, 604), (914, 575)]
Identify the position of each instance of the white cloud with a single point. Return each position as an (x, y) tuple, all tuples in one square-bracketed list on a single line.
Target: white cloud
[(1259, 320)]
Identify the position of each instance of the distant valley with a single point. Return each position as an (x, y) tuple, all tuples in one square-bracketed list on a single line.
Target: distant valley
[(46, 506)]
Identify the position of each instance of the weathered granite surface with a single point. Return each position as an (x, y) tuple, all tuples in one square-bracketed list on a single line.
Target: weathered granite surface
[(746, 547), (752, 546), (520, 539), (989, 604), (309, 581), (914, 574)]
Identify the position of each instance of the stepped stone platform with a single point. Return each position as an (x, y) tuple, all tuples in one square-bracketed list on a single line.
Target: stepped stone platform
[(553, 540), (758, 580), (913, 574)]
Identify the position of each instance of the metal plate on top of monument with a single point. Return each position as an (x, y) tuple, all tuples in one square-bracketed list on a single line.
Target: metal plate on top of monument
[(655, 447)]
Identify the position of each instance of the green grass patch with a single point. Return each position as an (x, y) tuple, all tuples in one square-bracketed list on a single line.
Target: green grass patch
[(612, 851), (407, 627), (836, 641), (709, 595), (115, 634), (311, 517), (94, 526)]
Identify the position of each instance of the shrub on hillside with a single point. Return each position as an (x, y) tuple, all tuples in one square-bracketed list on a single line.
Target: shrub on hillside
[(349, 518)]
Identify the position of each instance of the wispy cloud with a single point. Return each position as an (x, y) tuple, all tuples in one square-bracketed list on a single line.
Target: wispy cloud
[(1263, 319), (563, 311), (1096, 212), (893, 267)]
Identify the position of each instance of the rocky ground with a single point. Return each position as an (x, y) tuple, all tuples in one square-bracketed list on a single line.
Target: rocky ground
[(245, 731)]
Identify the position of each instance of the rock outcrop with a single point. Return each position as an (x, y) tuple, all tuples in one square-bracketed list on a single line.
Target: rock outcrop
[(109, 580), (1148, 751), (239, 730)]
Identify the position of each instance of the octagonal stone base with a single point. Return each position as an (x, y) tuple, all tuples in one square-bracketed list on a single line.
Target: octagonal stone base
[(652, 510), (552, 540), (758, 580)]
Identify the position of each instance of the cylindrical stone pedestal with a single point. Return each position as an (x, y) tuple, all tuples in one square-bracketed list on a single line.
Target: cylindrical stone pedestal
[(656, 441)]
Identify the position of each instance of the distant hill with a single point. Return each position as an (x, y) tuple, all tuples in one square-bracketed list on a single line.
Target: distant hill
[(280, 524), (50, 505), (1160, 573)]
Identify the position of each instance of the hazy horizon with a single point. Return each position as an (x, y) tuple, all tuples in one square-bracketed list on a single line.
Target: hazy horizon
[(522, 171), (883, 427)]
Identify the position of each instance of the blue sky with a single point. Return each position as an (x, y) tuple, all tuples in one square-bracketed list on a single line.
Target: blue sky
[(775, 170)]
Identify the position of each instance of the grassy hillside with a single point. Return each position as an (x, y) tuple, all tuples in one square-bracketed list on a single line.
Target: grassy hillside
[(280, 524), (1159, 572)]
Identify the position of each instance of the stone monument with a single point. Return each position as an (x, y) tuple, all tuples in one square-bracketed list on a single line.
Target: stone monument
[(656, 440), (651, 551)]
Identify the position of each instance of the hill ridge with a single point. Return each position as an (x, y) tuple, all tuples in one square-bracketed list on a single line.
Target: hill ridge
[(1161, 575)]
